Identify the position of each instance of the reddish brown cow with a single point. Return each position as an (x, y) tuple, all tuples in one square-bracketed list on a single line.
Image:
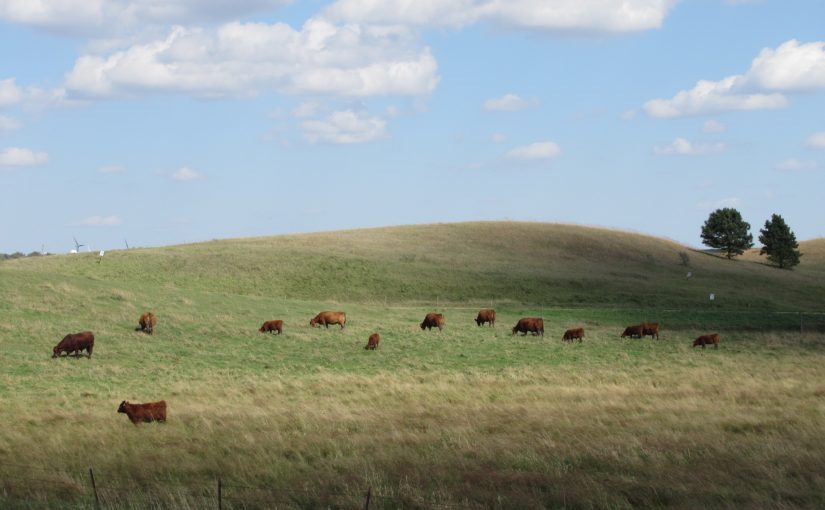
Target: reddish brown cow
[(633, 331), (529, 324), (573, 334), (703, 340), (327, 318), (487, 315), (271, 326), (372, 342), (147, 323), (75, 343), (152, 411), (650, 329), (433, 320)]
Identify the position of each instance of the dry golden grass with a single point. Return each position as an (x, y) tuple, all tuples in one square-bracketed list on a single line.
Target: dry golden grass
[(697, 429)]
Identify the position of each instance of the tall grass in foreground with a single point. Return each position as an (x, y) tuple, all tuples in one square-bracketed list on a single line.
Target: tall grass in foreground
[(606, 423)]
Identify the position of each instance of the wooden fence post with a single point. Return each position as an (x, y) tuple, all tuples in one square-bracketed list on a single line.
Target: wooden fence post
[(369, 498), (94, 488), (220, 495)]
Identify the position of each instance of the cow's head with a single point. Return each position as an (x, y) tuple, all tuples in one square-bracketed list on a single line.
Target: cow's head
[(313, 321), (515, 328), (56, 351), (122, 407)]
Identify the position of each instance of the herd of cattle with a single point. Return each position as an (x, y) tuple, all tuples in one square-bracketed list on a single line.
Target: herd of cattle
[(76, 343)]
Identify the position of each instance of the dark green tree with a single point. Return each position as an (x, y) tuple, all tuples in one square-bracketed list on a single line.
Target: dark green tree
[(779, 243), (726, 230)]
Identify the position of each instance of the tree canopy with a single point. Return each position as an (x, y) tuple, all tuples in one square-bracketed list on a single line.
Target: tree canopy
[(726, 230), (779, 243)]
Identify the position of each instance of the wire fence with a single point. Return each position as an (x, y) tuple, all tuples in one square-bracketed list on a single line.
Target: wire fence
[(52, 488)]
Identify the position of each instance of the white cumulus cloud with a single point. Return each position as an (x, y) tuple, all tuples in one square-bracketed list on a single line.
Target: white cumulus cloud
[(584, 16), (249, 58), (792, 67), (709, 97), (535, 151), (101, 221), (15, 156), (345, 127), (683, 147), (793, 165), (93, 17), (186, 174), (816, 141), (507, 103)]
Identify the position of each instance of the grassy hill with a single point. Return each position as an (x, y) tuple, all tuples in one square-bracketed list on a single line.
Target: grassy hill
[(526, 263), (466, 417)]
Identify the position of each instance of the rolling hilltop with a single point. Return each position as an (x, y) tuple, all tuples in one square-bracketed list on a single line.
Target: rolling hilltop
[(524, 263)]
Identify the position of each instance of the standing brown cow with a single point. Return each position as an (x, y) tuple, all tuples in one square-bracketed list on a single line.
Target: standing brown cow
[(703, 340), (75, 343), (372, 342), (573, 334), (327, 318), (272, 326), (650, 329), (147, 323), (529, 324), (152, 411), (433, 320), (487, 315)]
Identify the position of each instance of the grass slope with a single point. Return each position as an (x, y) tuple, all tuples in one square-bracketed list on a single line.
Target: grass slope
[(468, 416), (525, 263)]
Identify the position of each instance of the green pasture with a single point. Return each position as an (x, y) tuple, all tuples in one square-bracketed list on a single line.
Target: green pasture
[(467, 417)]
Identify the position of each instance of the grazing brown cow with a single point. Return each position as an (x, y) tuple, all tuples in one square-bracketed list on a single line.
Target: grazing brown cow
[(573, 334), (433, 320), (75, 343), (327, 318), (633, 331), (650, 329), (271, 326), (528, 324), (707, 340), (147, 322), (487, 315), (152, 411), (372, 342)]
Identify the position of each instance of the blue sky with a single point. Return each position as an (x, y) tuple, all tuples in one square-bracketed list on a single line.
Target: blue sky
[(173, 121)]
